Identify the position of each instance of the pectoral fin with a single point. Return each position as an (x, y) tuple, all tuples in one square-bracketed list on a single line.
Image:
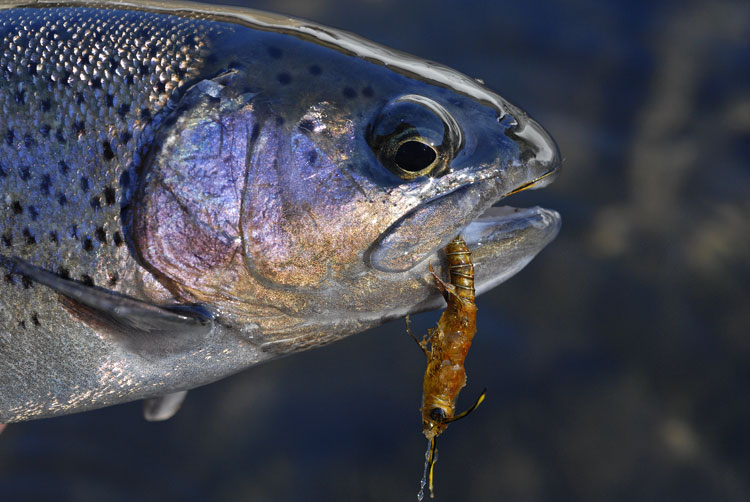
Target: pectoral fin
[(160, 408), (143, 327)]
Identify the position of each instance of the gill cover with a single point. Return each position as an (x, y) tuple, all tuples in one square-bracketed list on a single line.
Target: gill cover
[(187, 221)]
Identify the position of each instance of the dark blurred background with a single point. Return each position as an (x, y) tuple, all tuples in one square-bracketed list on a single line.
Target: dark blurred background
[(617, 363)]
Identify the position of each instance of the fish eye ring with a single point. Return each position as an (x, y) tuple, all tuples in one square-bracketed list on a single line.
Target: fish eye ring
[(414, 136)]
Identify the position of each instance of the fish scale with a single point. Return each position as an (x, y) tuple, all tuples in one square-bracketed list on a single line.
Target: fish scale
[(78, 90)]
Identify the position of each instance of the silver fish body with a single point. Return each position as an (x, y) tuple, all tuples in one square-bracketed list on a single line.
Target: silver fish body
[(189, 191)]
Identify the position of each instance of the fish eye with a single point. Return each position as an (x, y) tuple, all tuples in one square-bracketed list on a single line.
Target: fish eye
[(415, 136), (437, 414)]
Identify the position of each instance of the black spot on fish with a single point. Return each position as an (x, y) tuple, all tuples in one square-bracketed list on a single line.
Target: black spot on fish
[(312, 156), (9, 279), (33, 213), (110, 100), (255, 133), (8, 238), (112, 62), (9, 135), (45, 184), (152, 50), (160, 88), (59, 135), (84, 184), (145, 113), (35, 319), (88, 246), (143, 69), (17, 208), (27, 283), (307, 125), (28, 141), (3, 174), (22, 324), (74, 231), (275, 52), (125, 179), (63, 167), (315, 70), (32, 69), (53, 237), (129, 79), (125, 136), (87, 280), (64, 273), (95, 202), (172, 119), (101, 234), (25, 173), (21, 97), (44, 130), (96, 83), (349, 93), (117, 239), (80, 128), (30, 239), (368, 92), (123, 110), (109, 195), (113, 278), (107, 152), (65, 79), (79, 98), (284, 78), (46, 105), (280, 121)]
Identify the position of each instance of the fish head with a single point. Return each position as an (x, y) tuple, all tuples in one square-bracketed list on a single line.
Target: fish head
[(321, 190)]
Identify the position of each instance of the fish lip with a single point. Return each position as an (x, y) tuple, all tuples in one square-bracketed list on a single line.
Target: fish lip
[(492, 268), (520, 231), (481, 195)]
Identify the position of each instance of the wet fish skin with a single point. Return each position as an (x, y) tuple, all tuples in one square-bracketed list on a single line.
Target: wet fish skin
[(186, 194)]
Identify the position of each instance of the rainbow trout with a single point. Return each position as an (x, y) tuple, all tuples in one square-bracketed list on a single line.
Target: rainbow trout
[(189, 190)]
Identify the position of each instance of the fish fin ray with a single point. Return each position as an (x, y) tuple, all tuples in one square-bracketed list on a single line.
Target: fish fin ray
[(145, 328)]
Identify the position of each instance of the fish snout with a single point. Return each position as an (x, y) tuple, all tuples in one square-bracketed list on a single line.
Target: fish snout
[(539, 154)]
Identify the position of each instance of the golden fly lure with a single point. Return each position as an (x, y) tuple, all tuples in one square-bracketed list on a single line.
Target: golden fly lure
[(446, 347)]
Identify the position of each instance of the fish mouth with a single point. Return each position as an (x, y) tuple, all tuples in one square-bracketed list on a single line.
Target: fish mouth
[(505, 239), (502, 239)]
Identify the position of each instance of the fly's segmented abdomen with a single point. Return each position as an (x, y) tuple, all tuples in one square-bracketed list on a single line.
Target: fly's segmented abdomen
[(460, 267)]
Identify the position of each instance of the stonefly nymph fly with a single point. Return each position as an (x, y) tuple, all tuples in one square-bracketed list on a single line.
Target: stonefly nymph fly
[(446, 347)]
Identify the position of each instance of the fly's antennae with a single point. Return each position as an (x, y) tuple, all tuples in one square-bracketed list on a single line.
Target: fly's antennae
[(473, 407)]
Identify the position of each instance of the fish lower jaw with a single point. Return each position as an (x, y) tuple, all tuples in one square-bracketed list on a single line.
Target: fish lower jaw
[(504, 239)]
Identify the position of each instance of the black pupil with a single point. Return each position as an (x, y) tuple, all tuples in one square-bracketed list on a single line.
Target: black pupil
[(413, 156)]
